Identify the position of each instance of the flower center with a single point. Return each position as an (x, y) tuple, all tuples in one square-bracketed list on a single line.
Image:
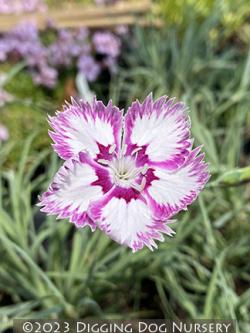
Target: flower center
[(124, 172)]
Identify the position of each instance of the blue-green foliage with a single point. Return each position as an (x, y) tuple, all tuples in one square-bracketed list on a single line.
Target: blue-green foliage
[(50, 270)]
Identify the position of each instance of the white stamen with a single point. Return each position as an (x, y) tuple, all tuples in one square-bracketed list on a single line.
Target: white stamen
[(136, 150), (124, 171), (139, 187), (124, 149), (143, 183), (144, 169), (136, 187), (104, 162), (112, 149)]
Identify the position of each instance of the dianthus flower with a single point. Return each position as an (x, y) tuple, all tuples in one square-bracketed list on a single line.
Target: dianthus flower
[(124, 175)]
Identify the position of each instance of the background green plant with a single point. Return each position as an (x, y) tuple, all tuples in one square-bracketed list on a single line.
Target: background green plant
[(232, 15), (49, 270)]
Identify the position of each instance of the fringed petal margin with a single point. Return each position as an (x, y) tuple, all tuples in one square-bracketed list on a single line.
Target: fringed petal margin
[(81, 126), (175, 190), (78, 182), (125, 217), (160, 129)]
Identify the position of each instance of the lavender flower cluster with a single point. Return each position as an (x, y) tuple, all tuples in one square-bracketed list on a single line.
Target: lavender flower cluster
[(19, 6), (105, 2), (70, 48)]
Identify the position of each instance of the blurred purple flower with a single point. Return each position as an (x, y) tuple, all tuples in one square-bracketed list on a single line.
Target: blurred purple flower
[(25, 31), (46, 76), (4, 133), (81, 34), (5, 97), (24, 41), (111, 64), (19, 6), (59, 54), (3, 51), (89, 67), (81, 44), (121, 29), (69, 47), (105, 2), (107, 43)]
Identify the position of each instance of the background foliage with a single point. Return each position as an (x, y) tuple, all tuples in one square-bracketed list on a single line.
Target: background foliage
[(50, 271), (232, 15)]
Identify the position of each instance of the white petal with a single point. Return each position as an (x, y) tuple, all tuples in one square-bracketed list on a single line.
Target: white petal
[(74, 187), (84, 127), (175, 190), (161, 127), (125, 220), (128, 221)]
